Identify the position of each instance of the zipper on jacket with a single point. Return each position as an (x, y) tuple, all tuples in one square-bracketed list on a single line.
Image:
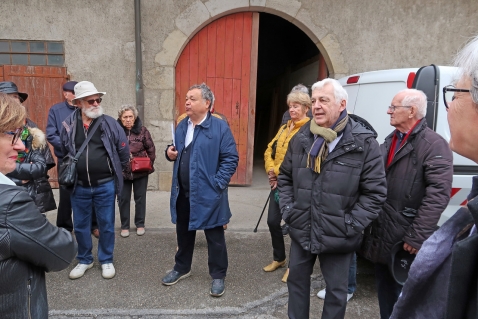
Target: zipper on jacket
[(29, 287)]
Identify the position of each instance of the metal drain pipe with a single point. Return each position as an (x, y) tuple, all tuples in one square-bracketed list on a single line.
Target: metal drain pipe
[(139, 60)]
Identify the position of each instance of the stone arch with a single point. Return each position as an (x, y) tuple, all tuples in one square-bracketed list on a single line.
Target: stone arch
[(199, 14)]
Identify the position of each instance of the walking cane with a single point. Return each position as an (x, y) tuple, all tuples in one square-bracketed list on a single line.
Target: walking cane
[(268, 197)]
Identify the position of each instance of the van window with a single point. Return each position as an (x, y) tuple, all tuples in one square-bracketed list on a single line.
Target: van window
[(372, 102)]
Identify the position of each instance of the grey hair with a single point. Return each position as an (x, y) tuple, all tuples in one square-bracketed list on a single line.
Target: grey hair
[(301, 88), (416, 98), (206, 93), (128, 107), (339, 92), (467, 61)]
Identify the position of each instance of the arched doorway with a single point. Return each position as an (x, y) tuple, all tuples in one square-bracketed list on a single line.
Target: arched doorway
[(224, 55)]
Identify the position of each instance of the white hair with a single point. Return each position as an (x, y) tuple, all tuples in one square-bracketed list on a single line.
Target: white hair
[(339, 92), (467, 61), (415, 98), (301, 88)]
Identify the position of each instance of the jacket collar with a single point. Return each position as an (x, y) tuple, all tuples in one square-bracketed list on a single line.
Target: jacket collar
[(5, 180)]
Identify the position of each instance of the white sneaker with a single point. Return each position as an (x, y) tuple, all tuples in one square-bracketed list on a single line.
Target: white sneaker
[(79, 270), (321, 295), (108, 271)]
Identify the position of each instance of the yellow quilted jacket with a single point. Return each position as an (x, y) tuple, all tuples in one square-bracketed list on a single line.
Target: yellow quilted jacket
[(283, 137)]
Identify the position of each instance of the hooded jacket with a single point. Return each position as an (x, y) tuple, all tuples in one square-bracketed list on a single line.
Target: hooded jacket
[(419, 181), (29, 247), (213, 161), (140, 145), (34, 169), (113, 138), (327, 212)]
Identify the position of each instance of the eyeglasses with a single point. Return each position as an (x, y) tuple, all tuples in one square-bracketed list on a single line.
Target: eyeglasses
[(449, 94), (91, 102), (16, 135), (393, 107)]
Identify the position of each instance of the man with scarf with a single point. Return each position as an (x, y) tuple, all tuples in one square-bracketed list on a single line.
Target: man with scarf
[(419, 170), (331, 186)]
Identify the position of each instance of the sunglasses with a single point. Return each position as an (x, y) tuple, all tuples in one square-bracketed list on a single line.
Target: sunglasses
[(91, 102), (16, 135)]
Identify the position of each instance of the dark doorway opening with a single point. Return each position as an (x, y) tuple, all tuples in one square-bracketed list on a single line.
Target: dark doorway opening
[(286, 57)]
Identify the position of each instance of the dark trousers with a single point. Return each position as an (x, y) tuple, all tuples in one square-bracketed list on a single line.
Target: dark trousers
[(63, 216), (335, 269), (274, 219), (216, 243), (139, 186), (388, 290)]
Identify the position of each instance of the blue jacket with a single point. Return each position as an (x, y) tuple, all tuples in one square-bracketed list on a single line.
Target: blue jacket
[(57, 114), (114, 140), (213, 161)]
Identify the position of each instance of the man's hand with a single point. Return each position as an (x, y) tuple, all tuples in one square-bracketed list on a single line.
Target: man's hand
[(410, 249), (172, 153)]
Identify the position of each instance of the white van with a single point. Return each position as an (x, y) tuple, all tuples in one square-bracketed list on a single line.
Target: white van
[(370, 93)]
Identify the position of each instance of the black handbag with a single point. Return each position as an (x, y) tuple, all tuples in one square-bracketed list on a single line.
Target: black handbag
[(67, 172)]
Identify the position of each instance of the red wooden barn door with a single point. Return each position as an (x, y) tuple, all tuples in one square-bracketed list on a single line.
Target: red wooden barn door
[(224, 56), (43, 84)]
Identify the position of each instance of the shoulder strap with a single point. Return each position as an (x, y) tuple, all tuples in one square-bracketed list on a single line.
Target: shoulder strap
[(88, 137)]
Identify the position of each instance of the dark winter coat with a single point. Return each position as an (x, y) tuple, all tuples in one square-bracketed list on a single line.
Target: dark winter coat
[(34, 169), (140, 145), (419, 183), (213, 161), (327, 212), (57, 114), (113, 138), (29, 247)]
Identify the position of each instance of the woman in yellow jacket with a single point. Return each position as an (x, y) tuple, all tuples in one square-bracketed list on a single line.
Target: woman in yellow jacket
[(299, 103)]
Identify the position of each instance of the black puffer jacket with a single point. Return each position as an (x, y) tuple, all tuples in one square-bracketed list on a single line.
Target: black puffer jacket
[(29, 246), (327, 212), (140, 145), (34, 168), (419, 183)]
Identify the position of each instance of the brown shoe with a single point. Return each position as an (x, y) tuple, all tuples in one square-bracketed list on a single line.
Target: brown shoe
[(286, 275), (274, 265)]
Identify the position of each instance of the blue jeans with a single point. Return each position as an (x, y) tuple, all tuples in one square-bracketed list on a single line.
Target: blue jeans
[(82, 201)]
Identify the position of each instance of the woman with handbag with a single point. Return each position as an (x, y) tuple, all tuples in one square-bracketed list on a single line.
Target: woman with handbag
[(299, 103), (143, 154)]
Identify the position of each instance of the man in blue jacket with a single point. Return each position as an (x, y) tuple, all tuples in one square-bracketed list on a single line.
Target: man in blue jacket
[(205, 158), (57, 114)]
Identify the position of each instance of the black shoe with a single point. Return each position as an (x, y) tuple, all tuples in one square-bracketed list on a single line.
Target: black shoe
[(217, 288), (173, 277), (285, 230)]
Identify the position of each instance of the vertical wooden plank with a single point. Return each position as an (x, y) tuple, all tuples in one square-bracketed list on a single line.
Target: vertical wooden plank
[(220, 41), (177, 85), (244, 106), (229, 47), (211, 82), (234, 121), (211, 52), (227, 107), (202, 55), (252, 97), (237, 58), (184, 78), (193, 60), (219, 94)]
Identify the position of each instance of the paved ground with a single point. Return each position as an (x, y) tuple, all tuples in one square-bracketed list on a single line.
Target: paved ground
[(140, 263)]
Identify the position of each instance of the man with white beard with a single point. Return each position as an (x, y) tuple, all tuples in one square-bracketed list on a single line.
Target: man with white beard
[(99, 175)]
